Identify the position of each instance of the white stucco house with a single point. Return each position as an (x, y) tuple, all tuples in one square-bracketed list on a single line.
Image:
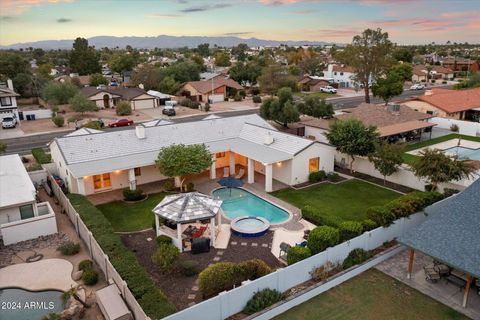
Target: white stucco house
[(109, 97), (342, 75), (8, 100), (96, 162), (21, 217)]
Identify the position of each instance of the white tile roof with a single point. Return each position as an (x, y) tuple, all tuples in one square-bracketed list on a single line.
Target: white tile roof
[(116, 150), (82, 131), (15, 184)]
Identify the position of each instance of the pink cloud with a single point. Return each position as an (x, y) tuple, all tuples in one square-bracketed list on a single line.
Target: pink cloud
[(460, 14), (16, 7), (411, 21)]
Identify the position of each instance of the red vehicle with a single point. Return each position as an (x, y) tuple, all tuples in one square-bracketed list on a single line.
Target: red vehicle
[(121, 123)]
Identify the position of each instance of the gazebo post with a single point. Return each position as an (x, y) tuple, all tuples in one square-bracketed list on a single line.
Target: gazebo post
[(212, 231), (467, 290), (179, 235), (410, 263)]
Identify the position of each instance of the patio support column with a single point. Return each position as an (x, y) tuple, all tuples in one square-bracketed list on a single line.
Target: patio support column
[(81, 185), (157, 225), (179, 235), (213, 167), (132, 182), (212, 232), (251, 170), (232, 163), (467, 290), (410, 263), (268, 177)]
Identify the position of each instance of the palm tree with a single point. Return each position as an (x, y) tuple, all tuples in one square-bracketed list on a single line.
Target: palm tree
[(438, 167), (73, 293)]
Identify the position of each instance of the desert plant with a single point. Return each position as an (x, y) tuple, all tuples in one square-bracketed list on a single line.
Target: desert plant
[(316, 176), (261, 300), (72, 293), (237, 97), (297, 253), (350, 229), (168, 185), (324, 271), (94, 124), (85, 265), (189, 267), (123, 108), (163, 239), (133, 195), (90, 277), (323, 237), (190, 187), (257, 99), (454, 128), (356, 256), (165, 257), (59, 121), (207, 107), (69, 248)]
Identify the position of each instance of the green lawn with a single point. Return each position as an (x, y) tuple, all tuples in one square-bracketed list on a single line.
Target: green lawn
[(131, 216), (410, 158), (321, 95), (334, 203), (371, 296)]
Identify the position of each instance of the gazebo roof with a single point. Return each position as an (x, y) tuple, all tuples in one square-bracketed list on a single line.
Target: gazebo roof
[(187, 207), (452, 232)]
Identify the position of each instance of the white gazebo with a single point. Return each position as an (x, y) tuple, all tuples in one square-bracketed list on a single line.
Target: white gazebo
[(186, 208)]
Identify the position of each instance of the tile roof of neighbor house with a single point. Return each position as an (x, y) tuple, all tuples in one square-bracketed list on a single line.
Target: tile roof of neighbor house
[(84, 80), (123, 92), (452, 101), (420, 69), (119, 150), (339, 68), (451, 232), (206, 86), (16, 187), (6, 92)]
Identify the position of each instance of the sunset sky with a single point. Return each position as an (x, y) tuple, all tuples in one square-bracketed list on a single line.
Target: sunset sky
[(407, 21)]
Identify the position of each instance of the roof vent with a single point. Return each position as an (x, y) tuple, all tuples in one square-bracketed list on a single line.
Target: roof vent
[(268, 139), (140, 132)]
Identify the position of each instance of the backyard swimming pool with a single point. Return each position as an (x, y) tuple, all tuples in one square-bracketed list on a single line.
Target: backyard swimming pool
[(241, 203), (19, 304), (464, 153)]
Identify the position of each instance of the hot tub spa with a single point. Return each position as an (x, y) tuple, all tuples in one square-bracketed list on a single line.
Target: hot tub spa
[(249, 227)]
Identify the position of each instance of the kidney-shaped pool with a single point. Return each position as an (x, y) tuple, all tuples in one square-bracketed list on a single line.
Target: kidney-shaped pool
[(241, 203)]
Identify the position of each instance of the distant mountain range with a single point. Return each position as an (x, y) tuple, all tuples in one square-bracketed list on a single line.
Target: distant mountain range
[(162, 41)]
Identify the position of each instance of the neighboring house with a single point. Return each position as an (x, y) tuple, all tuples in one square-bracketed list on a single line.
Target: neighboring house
[(341, 74), (393, 122), (98, 162), (446, 103), (312, 83), (21, 217), (8, 100), (204, 76), (437, 72), (84, 80), (460, 64), (108, 97), (214, 90)]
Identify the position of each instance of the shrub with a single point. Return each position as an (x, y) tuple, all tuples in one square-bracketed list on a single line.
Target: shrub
[(324, 271), (123, 109), (323, 237), (412, 202), (242, 94), (297, 253), (447, 192), (316, 176), (90, 277), (163, 239), (207, 107), (165, 257), (380, 215), (69, 248), (350, 229), (59, 121), (254, 268), (257, 99), (133, 195), (261, 300), (368, 225), (150, 298), (433, 81), (454, 128), (168, 185), (255, 91), (237, 97), (333, 177), (189, 267), (85, 265), (189, 103), (94, 124), (190, 187), (41, 156), (356, 256)]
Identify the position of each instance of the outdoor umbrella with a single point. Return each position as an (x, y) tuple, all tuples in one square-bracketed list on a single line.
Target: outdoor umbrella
[(230, 182)]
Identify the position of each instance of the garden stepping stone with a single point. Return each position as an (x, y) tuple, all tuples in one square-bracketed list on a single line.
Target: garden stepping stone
[(191, 296), (149, 239), (265, 245), (216, 259), (234, 243), (243, 243), (220, 253), (194, 288), (254, 244)]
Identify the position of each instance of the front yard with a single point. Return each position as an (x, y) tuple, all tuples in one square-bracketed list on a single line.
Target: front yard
[(321, 95), (371, 295), (128, 217), (334, 203)]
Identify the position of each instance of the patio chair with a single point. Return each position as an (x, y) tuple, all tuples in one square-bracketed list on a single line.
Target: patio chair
[(306, 233), (240, 174), (431, 274), (284, 247), (443, 270), (226, 172)]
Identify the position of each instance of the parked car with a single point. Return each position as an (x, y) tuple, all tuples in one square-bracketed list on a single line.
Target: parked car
[(169, 111), (121, 123), (9, 122), (328, 89), (417, 86)]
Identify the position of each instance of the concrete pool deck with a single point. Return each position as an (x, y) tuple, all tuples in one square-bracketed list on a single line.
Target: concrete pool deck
[(449, 144), (48, 274)]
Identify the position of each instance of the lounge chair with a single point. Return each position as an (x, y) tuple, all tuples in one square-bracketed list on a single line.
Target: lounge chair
[(240, 174), (284, 247), (226, 172), (200, 232)]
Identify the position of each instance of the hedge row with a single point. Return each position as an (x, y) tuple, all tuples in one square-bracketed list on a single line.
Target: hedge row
[(152, 300), (41, 156)]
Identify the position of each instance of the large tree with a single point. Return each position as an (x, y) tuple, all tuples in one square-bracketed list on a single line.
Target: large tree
[(370, 55), (437, 167), (240, 51), (11, 64), (149, 76), (245, 73), (274, 77), (316, 107), (280, 109), (388, 87), (84, 59), (222, 59), (79, 103), (387, 158), (180, 160), (97, 79), (122, 62), (353, 138), (59, 93)]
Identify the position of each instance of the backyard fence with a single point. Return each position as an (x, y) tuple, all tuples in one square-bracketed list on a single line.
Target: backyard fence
[(468, 128), (97, 254), (231, 302)]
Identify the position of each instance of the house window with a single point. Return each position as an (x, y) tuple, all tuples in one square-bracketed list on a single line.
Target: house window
[(335, 73), (341, 73), (138, 172), (220, 155), (6, 101), (101, 181), (26, 212), (429, 112), (313, 164)]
